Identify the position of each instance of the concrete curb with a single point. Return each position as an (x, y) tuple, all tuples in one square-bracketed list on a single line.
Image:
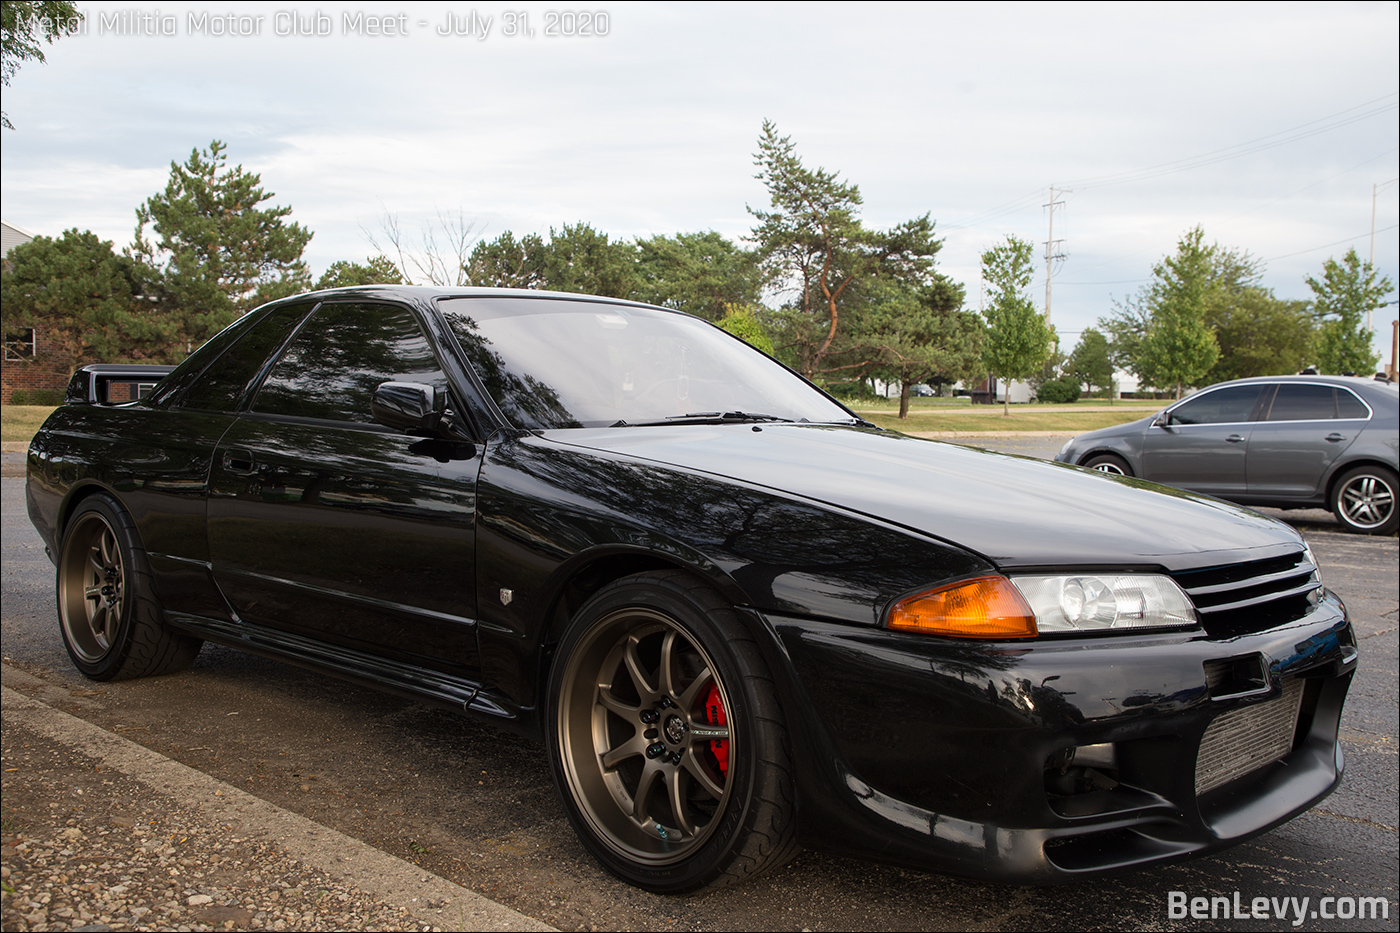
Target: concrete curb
[(390, 879)]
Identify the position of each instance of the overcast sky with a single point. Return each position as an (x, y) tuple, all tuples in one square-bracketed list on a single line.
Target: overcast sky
[(1268, 124)]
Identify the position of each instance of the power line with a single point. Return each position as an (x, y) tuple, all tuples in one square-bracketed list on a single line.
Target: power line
[(1272, 140), (1313, 249)]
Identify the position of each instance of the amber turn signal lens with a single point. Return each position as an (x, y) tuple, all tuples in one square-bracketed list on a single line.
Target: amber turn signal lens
[(986, 607)]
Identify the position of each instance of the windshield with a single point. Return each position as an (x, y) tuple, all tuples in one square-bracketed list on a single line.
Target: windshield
[(556, 363)]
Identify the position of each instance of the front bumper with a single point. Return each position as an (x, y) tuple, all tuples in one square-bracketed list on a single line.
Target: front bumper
[(951, 755)]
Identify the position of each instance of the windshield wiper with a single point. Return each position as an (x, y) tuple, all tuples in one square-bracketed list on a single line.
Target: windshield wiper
[(706, 417)]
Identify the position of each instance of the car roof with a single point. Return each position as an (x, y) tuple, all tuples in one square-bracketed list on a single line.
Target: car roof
[(1351, 382), (429, 293)]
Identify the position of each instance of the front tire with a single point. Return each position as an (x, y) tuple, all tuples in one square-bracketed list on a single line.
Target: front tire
[(112, 625), (667, 742), (1364, 500), (1109, 463)]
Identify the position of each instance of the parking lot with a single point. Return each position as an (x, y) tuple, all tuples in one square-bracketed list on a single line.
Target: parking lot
[(475, 806)]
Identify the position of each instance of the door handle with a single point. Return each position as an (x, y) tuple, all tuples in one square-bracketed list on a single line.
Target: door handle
[(237, 460), (1235, 438), (1334, 437)]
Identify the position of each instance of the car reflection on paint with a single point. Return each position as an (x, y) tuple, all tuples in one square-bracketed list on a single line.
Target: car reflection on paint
[(740, 618)]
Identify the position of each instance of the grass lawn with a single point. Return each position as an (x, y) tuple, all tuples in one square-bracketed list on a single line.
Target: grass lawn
[(1076, 418), (19, 422)]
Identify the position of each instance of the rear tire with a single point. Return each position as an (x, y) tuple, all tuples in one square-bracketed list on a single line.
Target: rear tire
[(666, 739), (112, 624), (1364, 500)]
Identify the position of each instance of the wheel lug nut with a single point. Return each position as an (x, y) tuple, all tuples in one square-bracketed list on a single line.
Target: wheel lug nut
[(655, 750), (650, 716)]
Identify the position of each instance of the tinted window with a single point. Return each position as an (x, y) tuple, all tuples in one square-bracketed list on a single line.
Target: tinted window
[(1223, 406), (1349, 406), (222, 384), (194, 364), (1304, 403), (332, 367)]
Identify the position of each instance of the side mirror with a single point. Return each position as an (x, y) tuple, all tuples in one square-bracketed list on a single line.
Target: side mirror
[(410, 407)]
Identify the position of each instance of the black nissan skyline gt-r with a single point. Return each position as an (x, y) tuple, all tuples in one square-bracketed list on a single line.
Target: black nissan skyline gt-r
[(740, 617)]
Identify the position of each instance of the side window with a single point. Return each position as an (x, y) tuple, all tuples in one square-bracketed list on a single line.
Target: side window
[(1349, 406), (332, 367), (1223, 406), (222, 384), (1304, 403)]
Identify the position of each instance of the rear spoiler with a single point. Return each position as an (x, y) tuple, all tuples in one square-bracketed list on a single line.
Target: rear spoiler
[(112, 383)]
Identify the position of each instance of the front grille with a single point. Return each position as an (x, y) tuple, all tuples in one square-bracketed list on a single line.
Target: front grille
[(1248, 738), (1252, 596)]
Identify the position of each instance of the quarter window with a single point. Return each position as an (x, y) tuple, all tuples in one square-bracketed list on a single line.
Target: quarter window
[(222, 385)]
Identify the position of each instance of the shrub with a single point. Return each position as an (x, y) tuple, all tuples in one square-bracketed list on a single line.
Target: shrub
[(1058, 391)]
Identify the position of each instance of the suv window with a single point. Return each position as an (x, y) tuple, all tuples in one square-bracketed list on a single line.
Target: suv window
[(332, 367), (1230, 405)]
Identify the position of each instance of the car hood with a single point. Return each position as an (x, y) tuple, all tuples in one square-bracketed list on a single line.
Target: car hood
[(1015, 511)]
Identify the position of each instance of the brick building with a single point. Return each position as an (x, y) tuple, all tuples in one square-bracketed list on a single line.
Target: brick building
[(22, 367)]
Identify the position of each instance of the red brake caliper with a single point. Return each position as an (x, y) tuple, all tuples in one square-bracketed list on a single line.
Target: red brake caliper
[(714, 715)]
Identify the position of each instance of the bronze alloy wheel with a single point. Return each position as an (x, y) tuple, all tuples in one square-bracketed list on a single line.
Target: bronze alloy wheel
[(667, 741), (91, 588), (112, 623), (637, 738)]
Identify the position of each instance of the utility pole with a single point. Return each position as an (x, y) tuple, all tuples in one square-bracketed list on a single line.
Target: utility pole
[(1053, 253), (1371, 259)]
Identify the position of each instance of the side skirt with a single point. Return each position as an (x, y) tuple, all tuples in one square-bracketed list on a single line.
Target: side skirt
[(405, 680)]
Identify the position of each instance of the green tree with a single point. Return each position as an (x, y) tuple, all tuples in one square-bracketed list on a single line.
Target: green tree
[(744, 324), (1018, 337), (1347, 291), (581, 259), (1259, 335), (912, 335), (703, 274), (508, 263), (216, 253), (85, 302), (376, 270), (812, 244), (1089, 363), (1179, 347), (23, 26)]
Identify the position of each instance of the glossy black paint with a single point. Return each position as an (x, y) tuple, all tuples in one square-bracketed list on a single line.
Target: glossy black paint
[(448, 568)]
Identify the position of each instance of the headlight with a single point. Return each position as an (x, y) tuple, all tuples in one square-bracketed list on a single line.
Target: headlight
[(1095, 602), (985, 607), (1312, 559), (995, 607)]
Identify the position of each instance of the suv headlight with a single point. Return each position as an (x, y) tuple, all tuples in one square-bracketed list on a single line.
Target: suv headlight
[(1096, 602)]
